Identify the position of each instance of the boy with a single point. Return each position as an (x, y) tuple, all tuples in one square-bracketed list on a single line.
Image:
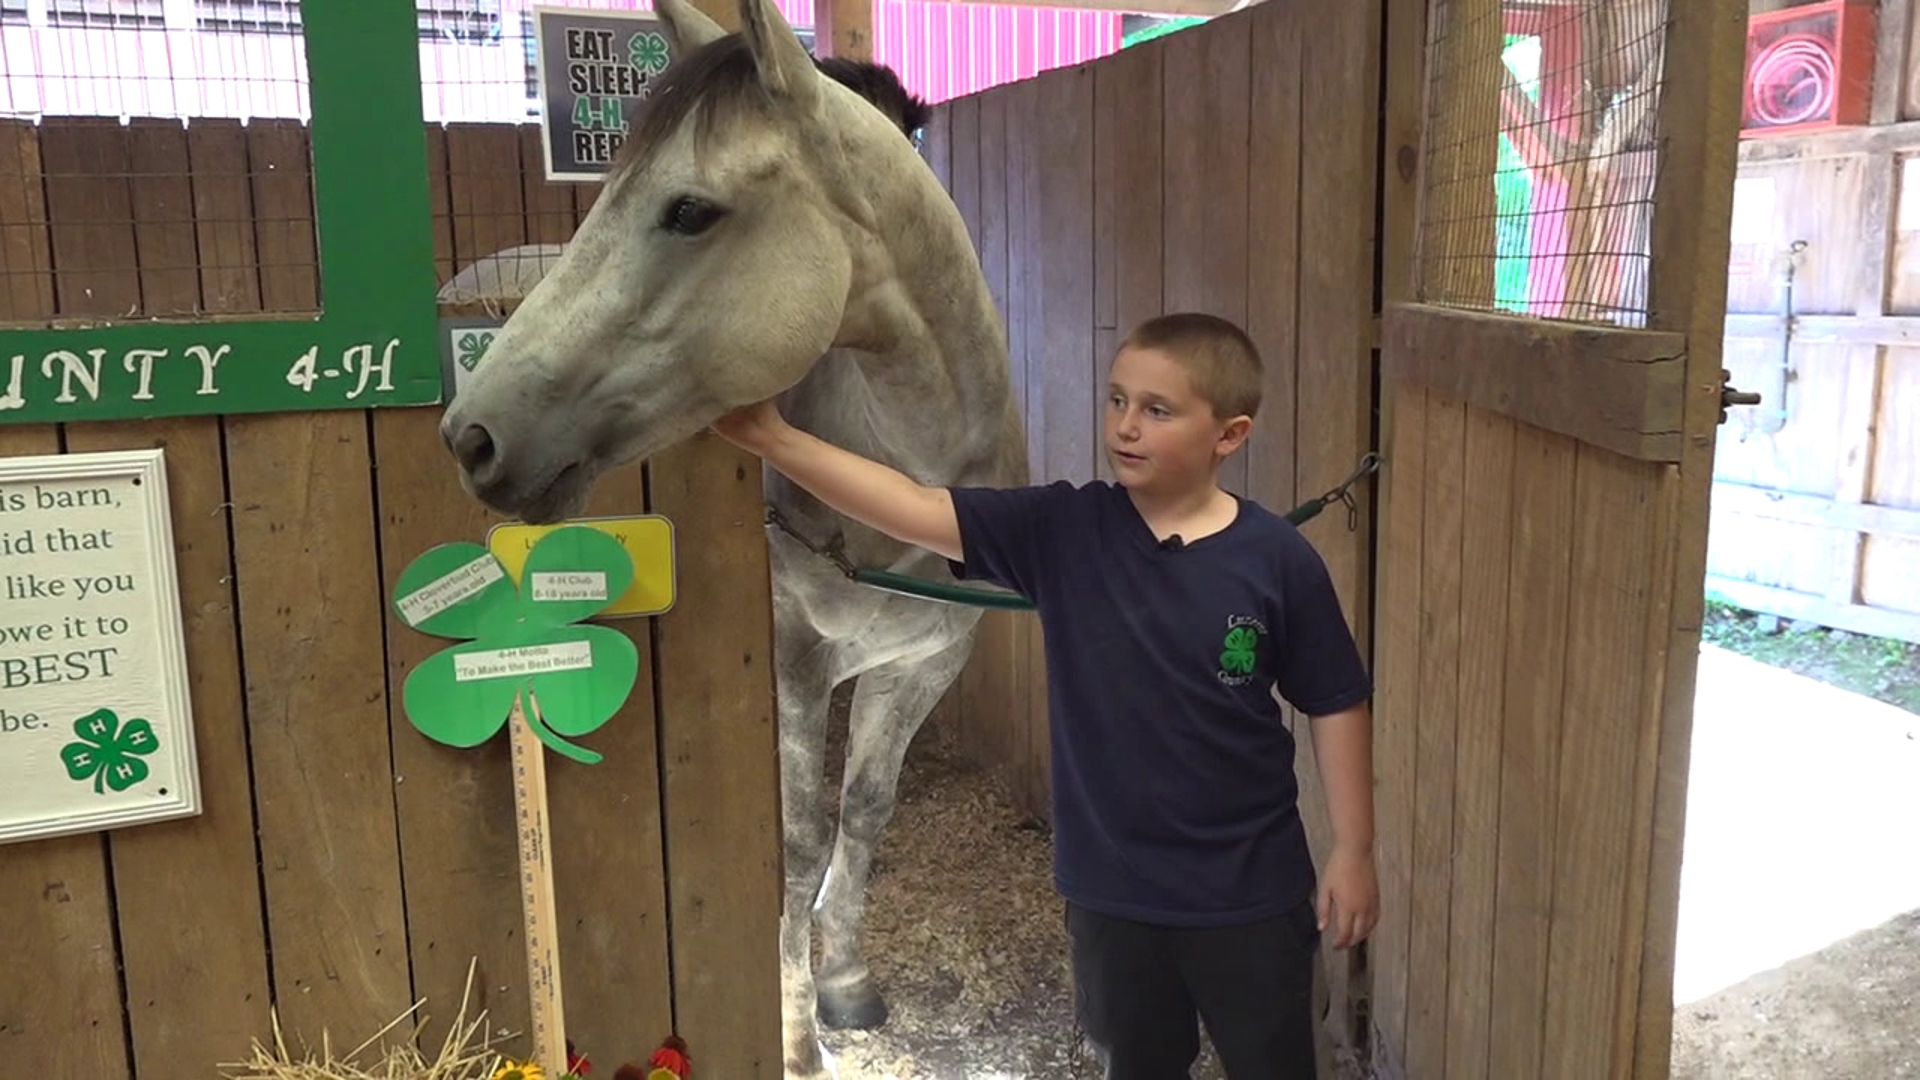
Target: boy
[(1173, 613)]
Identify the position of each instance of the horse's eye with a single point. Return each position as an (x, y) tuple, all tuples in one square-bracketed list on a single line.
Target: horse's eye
[(690, 216)]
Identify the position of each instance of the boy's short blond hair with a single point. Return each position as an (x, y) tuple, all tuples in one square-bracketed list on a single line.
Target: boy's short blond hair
[(1219, 357)]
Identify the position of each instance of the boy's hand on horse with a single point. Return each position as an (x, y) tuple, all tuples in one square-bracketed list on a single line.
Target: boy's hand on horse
[(752, 427)]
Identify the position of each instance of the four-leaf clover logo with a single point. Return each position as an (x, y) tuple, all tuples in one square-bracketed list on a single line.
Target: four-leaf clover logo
[(107, 753), (1236, 653), (647, 51), (525, 644), (471, 346)]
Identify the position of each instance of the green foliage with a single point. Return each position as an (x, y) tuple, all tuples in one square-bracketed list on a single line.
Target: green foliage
[(1884, 669)]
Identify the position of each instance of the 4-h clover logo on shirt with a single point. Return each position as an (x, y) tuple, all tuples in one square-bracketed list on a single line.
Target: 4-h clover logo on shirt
[(1237, 651), (527, 644), (108, 754), (647, 51)]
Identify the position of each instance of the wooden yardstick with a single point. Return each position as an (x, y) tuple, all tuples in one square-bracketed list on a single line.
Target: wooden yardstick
[(539, 925)]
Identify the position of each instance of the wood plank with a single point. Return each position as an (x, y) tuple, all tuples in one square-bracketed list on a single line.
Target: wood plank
[(223, 216), (306, 565), (1891, 33), (163, 217), (1405, 113), (1663, 502), (1613, 388), (1826, 329), (1273, 247), (1063, 176), (1207, 97), (90, 217), (549, 203), (1855, 457), (1484, 576), (1340, 101), (279, 161), (1539, 588), (714, 677), (197, 990), (26, 256), (1429, 898), (309, 588), (1404, 480), (1129, 88), (484, 182), (58, 897), (1811, 145), (1746, 499), (1606, 643), (440, 196), (1693, 197)]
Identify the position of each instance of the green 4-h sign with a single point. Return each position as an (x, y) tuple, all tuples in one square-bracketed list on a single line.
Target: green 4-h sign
[(527, 642)]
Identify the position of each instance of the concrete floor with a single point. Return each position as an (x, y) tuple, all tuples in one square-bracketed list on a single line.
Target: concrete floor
[(1803, 821)]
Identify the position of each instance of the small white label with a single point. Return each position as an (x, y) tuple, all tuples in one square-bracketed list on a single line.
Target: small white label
[(442, 593), (526, 660), (570, 585)]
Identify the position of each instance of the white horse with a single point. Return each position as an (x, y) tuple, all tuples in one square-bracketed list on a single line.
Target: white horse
[(769, 231)]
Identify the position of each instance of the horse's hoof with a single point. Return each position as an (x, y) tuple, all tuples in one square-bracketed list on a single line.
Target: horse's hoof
[(858, 1007)]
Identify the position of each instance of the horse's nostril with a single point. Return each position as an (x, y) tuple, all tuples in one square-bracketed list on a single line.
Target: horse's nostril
[(474, 449)]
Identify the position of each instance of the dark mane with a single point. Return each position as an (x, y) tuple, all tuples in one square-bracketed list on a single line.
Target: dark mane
[(881, 86), (721, 76)]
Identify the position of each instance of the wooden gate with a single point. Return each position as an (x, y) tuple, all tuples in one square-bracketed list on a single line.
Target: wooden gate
[(1551, 384)]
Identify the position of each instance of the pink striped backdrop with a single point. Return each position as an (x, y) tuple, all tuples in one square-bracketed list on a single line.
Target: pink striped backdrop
[(941, 50)]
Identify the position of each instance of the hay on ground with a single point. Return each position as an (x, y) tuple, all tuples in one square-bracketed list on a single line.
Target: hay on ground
[(460, 1057)]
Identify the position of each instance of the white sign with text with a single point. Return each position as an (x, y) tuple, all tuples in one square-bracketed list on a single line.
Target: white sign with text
[(96, 726)]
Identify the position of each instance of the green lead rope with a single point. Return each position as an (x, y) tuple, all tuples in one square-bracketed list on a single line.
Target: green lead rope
[(1004, 600)]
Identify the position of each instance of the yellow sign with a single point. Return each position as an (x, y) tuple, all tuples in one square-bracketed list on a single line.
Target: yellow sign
[(648, 539)]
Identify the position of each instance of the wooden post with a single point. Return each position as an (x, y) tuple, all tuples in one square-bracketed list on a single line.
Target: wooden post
[(843, 28)]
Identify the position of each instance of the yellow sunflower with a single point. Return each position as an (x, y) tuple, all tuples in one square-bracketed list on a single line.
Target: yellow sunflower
[(522, 1071)]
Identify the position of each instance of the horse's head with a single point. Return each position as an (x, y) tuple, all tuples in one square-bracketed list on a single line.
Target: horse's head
[(732, 244)]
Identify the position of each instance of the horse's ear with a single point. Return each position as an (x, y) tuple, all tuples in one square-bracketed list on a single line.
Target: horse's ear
[(785, 67), (687, 27)]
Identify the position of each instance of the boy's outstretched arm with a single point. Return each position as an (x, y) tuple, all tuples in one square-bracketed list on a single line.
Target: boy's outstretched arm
[(1349, 889), (865, 490)]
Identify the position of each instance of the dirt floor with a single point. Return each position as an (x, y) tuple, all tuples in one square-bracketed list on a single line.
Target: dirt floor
[(1850, 1011), (965, 937)]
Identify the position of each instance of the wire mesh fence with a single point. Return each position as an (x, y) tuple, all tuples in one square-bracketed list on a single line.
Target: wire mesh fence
[(1541, 153), (155, 158)]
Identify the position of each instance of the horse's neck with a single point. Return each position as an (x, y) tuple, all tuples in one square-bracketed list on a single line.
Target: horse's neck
[(924, 386)]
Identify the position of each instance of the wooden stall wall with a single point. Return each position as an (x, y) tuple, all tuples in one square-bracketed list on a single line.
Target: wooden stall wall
[(347, 866), (1228, 168), (1816, 503)]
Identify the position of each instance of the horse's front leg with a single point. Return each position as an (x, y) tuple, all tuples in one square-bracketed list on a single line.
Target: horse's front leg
[(804, 694), (890, 703)]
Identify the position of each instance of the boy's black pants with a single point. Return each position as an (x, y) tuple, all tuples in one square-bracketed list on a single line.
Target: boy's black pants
[(1138, 989)]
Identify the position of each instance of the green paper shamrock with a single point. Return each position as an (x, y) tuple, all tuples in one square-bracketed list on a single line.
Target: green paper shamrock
[(471, 347), (1237, 651), (107, 753), (647, 51), (520, 644)]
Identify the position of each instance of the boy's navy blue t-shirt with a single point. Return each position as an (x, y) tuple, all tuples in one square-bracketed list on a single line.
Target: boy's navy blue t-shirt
[(1174, 794)]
